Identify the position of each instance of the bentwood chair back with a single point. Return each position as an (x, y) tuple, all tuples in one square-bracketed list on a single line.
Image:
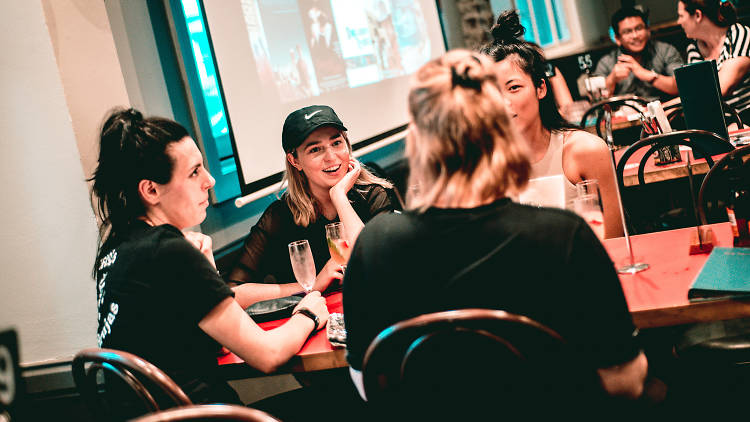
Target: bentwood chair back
[(474, 362), (710, 195), (697, 140), (652, 207), (209, 412), (151, 388), (631, 101), (676, 116)]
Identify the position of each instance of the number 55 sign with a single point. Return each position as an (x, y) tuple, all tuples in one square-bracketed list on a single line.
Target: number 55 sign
[(585, 62)]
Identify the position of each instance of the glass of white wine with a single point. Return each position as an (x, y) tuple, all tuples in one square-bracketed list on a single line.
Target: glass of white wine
[(338, 245), (303, 265)]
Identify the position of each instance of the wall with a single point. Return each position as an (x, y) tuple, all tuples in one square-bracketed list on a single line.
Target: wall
[(48, 229)]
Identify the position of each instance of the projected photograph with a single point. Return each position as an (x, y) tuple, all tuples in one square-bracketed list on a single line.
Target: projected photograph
[(306, 48)]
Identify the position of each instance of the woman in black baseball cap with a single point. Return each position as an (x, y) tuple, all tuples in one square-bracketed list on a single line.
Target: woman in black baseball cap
[(325, 184)]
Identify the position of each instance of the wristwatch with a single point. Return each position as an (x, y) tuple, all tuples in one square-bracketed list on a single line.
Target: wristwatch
[(308, 313)]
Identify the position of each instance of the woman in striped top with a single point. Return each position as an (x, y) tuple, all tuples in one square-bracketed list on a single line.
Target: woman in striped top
[(716, 34)]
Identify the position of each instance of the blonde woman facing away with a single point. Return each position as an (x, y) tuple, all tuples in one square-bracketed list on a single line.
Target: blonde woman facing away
[(463, 243)]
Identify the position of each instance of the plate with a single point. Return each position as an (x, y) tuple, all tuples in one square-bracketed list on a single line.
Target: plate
[(272, 309)]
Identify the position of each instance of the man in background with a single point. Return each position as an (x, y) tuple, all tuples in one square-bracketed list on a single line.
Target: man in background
[(639, 65)]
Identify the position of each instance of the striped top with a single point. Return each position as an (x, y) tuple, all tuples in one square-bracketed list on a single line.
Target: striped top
[(736, 44)]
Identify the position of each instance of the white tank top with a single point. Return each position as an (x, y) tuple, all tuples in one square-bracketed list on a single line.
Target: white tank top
[(551, 164)]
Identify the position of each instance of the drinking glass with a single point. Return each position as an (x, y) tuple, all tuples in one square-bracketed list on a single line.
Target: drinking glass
[(338, 245), (589, 208), (302, 264)]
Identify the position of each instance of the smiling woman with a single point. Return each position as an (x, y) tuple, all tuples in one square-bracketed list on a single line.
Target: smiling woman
[(325, 184)]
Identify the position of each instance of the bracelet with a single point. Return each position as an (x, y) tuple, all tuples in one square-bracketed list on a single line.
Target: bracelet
[(653, 78), (310, 314)]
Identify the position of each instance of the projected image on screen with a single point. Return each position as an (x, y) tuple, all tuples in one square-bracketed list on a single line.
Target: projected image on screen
[(275, 56), (306, 48)]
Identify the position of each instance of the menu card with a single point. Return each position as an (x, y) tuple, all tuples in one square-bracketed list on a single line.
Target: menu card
[(726, 274)]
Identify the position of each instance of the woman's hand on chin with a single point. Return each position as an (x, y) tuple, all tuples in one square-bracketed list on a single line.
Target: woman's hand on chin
[(203, 243), (347, 182)]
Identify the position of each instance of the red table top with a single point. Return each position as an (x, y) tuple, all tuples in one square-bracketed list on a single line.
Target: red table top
[(656, 297)]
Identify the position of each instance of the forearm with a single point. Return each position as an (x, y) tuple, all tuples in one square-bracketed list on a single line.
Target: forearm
[(249, 293), (230, 326), (611, 83), (352, 223), (666, 84)]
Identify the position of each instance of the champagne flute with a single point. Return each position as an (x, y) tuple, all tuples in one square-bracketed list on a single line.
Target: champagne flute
[(302, 264), (338, 245), (589, 208)]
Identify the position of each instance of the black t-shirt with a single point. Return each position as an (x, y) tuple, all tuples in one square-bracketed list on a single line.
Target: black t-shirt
[(543, 263), (265, 254), (153, 289)]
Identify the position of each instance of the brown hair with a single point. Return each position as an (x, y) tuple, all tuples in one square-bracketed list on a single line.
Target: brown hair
[(721, 12), (463, 145), (301, 201)]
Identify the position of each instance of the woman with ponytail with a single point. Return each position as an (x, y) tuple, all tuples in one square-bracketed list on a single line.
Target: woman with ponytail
[(463, 243), (716, 34), (158, 292), (557, 147)]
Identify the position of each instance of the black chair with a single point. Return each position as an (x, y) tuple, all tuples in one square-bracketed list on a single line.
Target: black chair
[(12, 388), (693, 138), (717, 176), (632, 101), (676, 116), (475, 362), (153, 389), (651, 207), (210, 412)]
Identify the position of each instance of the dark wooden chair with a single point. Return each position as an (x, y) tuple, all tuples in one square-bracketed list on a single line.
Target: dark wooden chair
[(153, 389), (709, 196), (209, 412), (676, 116), (474, 362), (651, 207), (632, 101)]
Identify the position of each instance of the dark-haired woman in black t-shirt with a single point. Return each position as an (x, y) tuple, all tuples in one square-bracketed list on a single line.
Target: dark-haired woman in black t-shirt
[(158, 292)]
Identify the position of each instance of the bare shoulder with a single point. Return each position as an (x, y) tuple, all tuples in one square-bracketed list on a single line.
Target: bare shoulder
[(582, 144)]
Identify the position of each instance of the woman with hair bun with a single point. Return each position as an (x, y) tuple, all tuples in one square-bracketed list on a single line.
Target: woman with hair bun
[(716, 34), (158, 292), (463, 243), (557, 147)]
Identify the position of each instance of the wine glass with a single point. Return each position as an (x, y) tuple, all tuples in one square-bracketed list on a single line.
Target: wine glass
[(302, 264), (338, 245), (589, 208)]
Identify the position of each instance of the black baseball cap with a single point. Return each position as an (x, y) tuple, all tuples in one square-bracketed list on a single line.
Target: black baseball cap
[(301, 123)]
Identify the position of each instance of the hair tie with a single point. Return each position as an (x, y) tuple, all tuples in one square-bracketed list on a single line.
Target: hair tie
[(464, 80)]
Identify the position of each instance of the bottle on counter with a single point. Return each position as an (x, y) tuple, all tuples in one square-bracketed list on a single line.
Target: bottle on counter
[(738, 208)]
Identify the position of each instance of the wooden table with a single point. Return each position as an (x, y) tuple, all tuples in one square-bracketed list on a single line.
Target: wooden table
[(657, 297)]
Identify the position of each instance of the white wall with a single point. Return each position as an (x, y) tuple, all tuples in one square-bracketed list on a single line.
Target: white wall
[(48, 229)]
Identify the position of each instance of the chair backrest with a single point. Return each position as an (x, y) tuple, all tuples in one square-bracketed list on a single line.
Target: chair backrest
[(201, 412), (733, 161), (11, 384), (143, 379), (693, 138), (676, 116), (472, 361), (631, 101)]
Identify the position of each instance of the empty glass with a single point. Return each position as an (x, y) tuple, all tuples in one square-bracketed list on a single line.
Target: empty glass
[(303, 264), (589, 208)]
